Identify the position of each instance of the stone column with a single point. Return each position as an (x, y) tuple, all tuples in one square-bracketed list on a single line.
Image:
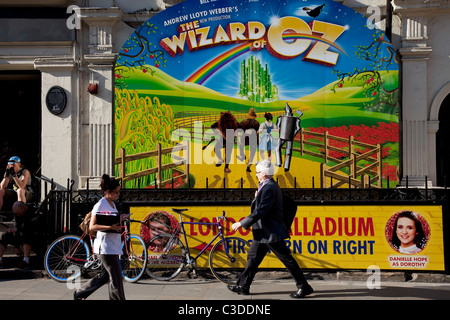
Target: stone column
[(59, 132), (98, 121), (432, 129), (414, 54), (101, 116)]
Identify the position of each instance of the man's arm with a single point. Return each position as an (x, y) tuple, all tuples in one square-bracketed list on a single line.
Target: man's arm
[(263, 206)]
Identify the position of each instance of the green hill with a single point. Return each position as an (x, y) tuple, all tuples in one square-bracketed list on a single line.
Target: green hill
[(182, 96), (334, 104), (352, 90), (342, 102), (153, 79)]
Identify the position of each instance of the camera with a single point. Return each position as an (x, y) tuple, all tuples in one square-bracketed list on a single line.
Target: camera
[(9, 171)]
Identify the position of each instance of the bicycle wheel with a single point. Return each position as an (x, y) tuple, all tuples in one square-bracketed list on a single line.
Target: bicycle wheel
[(65, 258), (227, 267), (166, 257), (134, 258)]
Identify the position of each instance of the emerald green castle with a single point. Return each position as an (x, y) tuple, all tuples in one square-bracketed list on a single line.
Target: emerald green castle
[(256, 84)]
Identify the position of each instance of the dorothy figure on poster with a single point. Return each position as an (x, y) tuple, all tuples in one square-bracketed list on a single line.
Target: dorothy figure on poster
[(268, 132)]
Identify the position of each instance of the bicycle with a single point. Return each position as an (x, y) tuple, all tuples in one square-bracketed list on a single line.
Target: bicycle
[(169, 256), (71, 255)]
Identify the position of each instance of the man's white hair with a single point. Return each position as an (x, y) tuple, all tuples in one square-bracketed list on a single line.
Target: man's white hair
[(265, 167)]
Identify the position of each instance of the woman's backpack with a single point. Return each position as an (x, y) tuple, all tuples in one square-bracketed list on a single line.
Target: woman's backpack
[(85, 225)]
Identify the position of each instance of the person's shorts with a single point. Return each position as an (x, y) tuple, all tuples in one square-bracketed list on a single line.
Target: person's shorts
[(9, 238), (18, 238)]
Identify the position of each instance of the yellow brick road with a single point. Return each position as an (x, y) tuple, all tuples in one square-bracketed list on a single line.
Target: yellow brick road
[(202, 166)]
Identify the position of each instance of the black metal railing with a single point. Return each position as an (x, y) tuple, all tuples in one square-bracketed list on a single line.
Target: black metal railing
[(63, 208), (55, 207)]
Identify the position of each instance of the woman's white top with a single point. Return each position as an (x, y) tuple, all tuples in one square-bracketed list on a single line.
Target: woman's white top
[(409, 250), (107, 242)]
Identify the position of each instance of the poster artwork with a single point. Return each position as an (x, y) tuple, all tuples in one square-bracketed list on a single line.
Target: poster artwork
[(205, 89), (340, 237)]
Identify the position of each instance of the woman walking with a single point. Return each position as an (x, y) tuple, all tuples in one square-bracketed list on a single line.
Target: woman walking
[(106, 221)]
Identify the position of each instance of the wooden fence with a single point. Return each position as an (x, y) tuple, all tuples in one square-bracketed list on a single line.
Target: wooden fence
[(353, 162), (359, 176), (157, 170), (187, 119)]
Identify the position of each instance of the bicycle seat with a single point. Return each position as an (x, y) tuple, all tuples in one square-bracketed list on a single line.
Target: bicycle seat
[(179, 210)]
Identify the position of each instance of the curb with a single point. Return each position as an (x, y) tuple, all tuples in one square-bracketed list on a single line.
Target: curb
[(395, 276), (355, 275), (15, 274)]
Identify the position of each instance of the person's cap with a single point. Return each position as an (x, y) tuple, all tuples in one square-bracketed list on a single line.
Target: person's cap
[(13, 160)]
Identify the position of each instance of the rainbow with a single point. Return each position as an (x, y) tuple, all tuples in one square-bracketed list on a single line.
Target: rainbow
[(202, 74), (205, 72)]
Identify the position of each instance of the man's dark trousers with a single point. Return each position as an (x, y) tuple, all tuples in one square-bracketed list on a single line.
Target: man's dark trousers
[(255, 256)]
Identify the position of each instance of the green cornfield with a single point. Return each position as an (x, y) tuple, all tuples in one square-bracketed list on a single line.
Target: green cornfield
[(140, 123)]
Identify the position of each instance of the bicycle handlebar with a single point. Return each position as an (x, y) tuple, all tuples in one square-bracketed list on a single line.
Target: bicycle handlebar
[(222, 217), (134, 220)]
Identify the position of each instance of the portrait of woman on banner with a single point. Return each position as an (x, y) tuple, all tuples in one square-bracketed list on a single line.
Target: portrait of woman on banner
[(407, 232)]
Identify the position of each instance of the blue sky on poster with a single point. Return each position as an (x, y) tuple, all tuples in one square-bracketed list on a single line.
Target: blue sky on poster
[(293, 77)]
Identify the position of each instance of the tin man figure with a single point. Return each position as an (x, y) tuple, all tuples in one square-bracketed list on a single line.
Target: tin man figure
[(289, 127)]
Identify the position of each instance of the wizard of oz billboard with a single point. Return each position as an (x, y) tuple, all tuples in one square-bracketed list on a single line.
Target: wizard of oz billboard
[(206, 88)]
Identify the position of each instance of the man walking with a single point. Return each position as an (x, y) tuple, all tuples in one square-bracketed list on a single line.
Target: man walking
[(269, 232)]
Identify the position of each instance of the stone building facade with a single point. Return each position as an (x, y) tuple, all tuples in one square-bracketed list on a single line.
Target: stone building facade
[(74, 44)]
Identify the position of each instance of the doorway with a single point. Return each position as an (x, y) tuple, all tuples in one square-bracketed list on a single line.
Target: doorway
[(443, 145), (20, 118)]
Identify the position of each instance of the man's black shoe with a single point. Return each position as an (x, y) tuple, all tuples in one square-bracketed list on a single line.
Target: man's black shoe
[(76, 297), (302, 292), (239, 290)]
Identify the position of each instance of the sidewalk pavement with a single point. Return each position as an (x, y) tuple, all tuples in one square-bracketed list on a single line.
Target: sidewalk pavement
[(202, 298), (338, 286)]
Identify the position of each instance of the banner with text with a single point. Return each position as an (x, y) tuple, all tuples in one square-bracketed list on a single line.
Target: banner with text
[(329, 237)]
